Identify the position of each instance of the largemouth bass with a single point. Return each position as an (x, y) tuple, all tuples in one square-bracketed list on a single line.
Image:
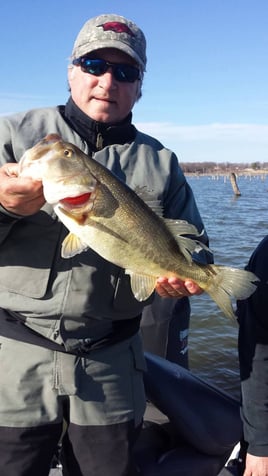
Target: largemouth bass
[(104, 214)]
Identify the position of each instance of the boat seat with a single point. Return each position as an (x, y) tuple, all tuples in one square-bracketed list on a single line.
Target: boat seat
[(190, 426)]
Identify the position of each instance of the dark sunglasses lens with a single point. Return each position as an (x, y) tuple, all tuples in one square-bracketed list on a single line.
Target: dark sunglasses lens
[(94, 66), (122, 72), (126, 73)]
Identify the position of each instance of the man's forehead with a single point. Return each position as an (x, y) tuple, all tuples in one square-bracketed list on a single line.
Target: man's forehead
[(112, 53)]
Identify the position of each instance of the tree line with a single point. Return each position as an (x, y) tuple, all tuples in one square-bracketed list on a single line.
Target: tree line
[(223, 167)]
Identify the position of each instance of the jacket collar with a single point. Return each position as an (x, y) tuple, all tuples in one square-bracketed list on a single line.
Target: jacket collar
[(98, 134)]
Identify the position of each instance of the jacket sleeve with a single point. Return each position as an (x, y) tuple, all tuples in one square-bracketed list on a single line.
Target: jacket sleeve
[(253, 356), (8, 127), (6, 155)]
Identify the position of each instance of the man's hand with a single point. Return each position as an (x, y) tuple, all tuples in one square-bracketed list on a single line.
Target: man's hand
[(174, 287), (256, 465), (20, 195)]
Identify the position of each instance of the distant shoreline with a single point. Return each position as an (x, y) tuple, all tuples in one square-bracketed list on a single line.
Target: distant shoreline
[(227, 173)]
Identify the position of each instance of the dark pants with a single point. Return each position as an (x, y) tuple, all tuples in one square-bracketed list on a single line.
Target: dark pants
[(86, 451), (28, 451), (99, 451)]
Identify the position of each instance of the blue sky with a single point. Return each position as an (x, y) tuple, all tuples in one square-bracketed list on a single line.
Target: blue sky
[(205, 92)]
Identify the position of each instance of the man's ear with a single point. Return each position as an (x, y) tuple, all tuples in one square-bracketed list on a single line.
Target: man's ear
[(139, 92), (71, 73)]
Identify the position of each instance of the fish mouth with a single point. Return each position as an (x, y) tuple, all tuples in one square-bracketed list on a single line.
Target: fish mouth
[(79, 202)]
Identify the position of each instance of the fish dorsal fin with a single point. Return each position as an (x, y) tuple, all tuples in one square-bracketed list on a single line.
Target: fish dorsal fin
[(188, 246), (178, 228), (156, 207), (72, 245), (148, 197), (181, 227), (142, 285)]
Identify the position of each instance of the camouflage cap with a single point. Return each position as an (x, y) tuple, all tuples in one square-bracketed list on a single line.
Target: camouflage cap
[(111, 31)]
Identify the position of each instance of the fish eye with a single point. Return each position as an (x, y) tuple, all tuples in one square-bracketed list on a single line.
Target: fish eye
[(67, 152)]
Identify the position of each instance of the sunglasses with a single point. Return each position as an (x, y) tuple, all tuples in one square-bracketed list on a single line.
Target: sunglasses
[(124, 73)]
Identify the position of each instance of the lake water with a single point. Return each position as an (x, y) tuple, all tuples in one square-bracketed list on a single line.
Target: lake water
[(235, 226)]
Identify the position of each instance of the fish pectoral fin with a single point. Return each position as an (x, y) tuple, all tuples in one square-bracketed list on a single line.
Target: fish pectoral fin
[(72, 245), (142, 285)]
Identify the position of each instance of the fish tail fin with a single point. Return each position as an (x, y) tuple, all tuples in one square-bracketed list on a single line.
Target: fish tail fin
[(231, 283)]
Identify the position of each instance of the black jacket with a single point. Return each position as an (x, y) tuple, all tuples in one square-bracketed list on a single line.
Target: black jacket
[(253, 355)]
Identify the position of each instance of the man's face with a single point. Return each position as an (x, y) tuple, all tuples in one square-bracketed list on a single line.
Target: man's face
[(103, 98)]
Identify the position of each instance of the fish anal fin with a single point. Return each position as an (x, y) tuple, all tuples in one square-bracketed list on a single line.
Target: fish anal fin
[(142, 285), (72, 245)]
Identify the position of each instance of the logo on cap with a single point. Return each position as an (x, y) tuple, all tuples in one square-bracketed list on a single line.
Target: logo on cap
[(117, 27)]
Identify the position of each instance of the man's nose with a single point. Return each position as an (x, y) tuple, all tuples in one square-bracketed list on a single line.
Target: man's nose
[(107, 79)]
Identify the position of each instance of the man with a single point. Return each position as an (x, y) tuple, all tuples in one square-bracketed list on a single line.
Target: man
[(253, 356), (70, 345)]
